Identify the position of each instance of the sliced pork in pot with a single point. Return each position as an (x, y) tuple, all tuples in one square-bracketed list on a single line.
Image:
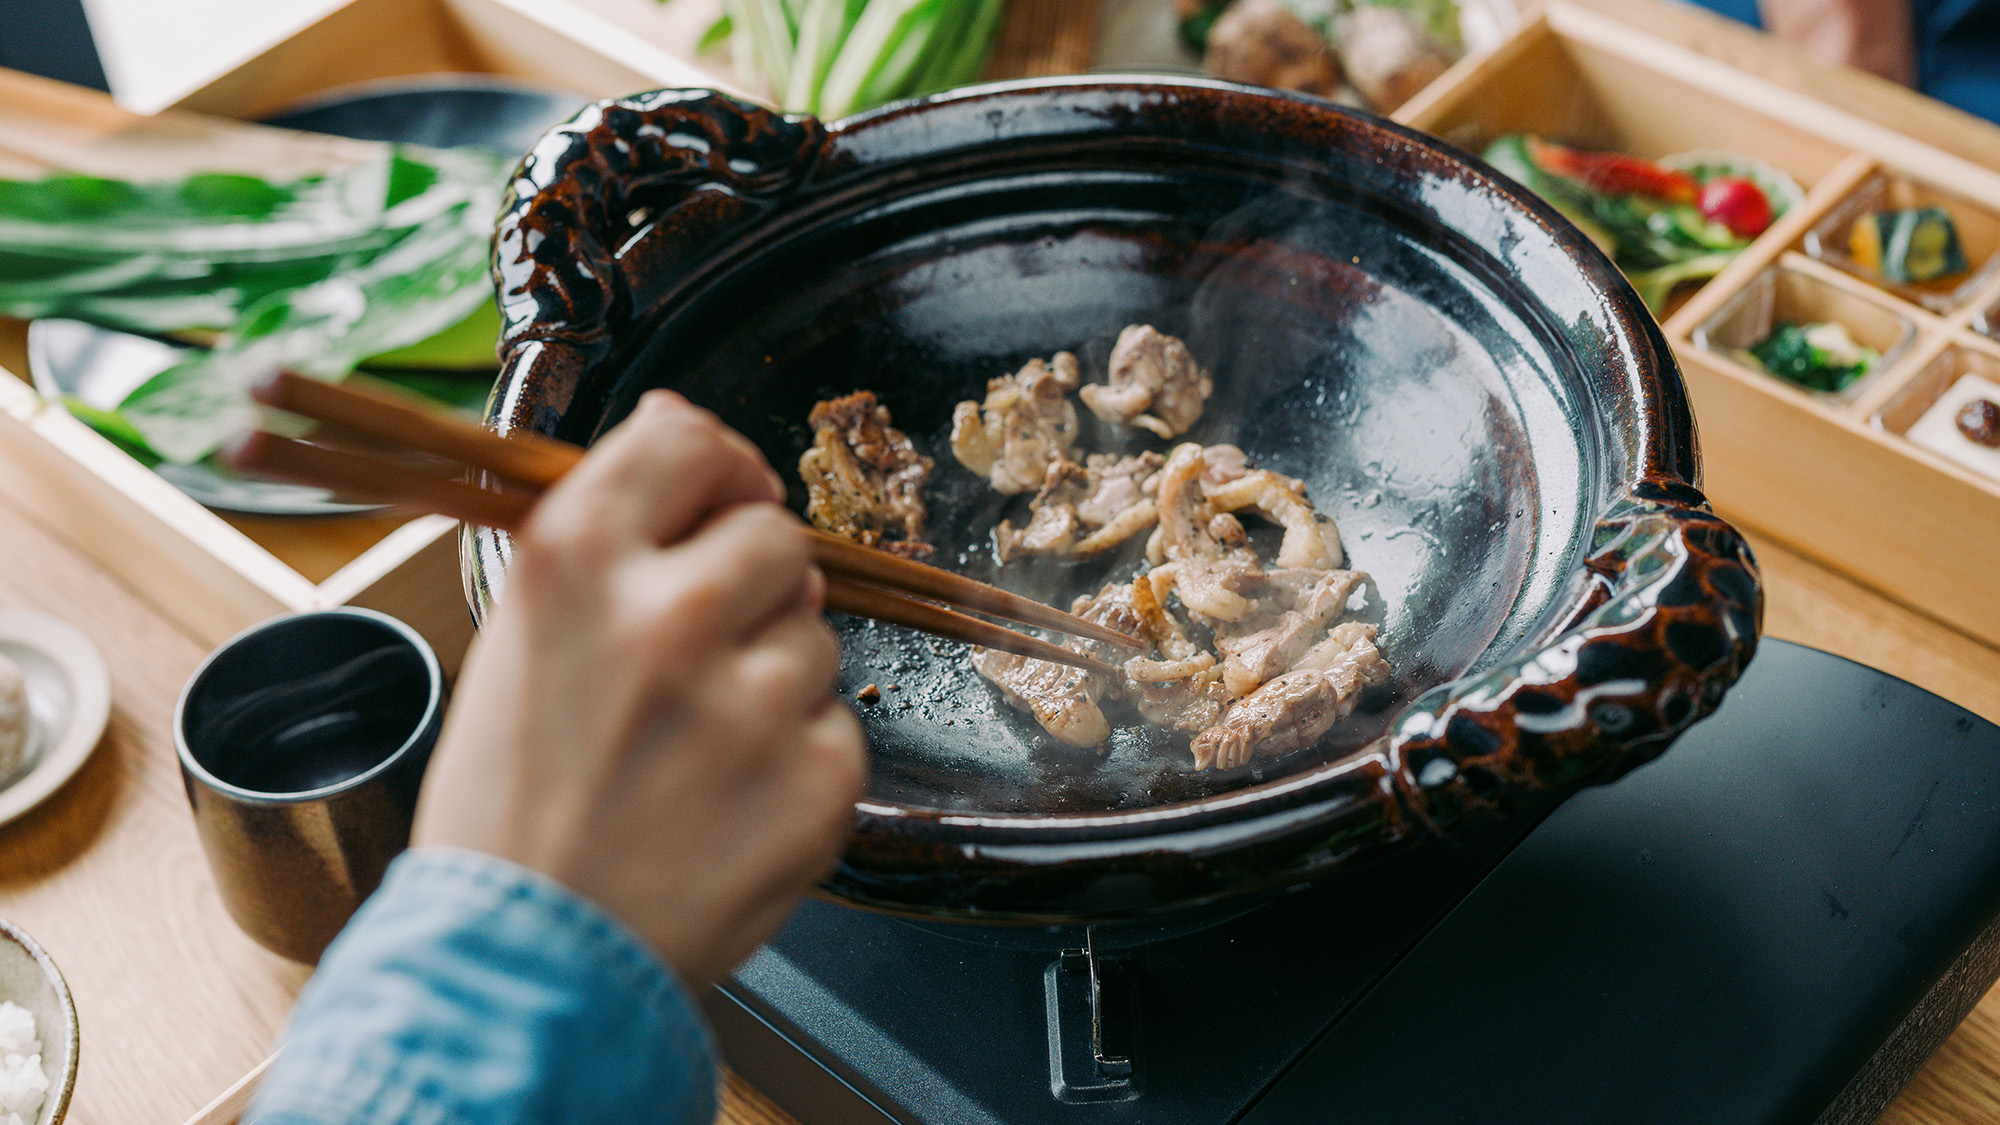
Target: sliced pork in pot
[(1296, 709), (1026, 424), (1065, 700), (1293, 617), (1248, 654), (1085, 509), (864, 479), (1230, 485), (1209, 570), (1180, 686), (1154, 384), (1277, 670)]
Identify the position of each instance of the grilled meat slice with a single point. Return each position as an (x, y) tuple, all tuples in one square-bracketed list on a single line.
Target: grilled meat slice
[(863, 477), (1155, 383), (1208, 572), (1296, 709), (1181, 686), (1065, 700), (1293, 615), (1230, 485), (1026, 424), (1085, 509)]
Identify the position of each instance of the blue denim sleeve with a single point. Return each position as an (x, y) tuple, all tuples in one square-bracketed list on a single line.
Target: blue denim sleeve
[(470, 989)]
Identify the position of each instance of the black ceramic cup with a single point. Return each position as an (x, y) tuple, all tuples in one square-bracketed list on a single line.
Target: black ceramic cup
[(302, 741)]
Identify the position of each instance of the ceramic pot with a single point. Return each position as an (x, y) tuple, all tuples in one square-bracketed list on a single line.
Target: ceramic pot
[(1460, 378)]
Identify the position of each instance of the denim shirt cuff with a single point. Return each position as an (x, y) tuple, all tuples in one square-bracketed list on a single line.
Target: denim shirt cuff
[(468, 988)]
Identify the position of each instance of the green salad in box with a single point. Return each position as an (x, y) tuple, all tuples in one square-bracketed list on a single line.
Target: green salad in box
[(1666, 223)]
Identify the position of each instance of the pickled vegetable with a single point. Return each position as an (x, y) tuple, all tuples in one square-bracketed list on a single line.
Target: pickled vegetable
[(1908, 247)]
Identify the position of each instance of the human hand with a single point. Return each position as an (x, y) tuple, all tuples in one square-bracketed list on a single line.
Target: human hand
[(1871, 35), (649, 715)]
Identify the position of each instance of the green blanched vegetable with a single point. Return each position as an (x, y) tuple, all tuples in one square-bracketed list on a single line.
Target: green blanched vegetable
[(1195, 21), (317, 275), (835, 57), (1656, 284), (1820, 357)]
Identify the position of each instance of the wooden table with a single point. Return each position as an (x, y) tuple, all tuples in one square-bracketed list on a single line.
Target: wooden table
[(176, 1004)]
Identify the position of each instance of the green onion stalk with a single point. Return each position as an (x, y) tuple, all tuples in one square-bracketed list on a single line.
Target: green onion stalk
[(831, 58)]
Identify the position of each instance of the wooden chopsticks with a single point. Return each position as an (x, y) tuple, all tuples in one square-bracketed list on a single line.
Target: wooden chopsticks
[(378, 422)]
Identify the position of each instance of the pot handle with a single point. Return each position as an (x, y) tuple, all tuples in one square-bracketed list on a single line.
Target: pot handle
[(616, 207), (1670, 618)]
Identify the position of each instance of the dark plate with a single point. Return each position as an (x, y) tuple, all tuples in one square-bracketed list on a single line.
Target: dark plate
[(101, 366), (1462, 381)]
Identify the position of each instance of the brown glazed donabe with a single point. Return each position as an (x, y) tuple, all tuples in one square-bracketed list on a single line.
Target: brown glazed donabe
[(1466, 384)]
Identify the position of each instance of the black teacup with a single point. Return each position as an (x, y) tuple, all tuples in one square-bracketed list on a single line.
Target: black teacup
[(302, 741)]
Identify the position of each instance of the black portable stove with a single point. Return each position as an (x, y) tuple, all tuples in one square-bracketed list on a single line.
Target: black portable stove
[(1774, 923)]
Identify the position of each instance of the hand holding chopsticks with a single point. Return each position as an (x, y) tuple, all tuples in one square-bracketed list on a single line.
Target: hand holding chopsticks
[(511, 472)]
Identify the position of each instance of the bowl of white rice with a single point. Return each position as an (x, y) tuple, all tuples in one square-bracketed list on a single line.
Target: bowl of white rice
[(37, 1033)]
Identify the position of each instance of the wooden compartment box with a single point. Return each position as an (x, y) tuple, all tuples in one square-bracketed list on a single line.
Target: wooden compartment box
[(1795, 292), (597, 48), (1836, 476)]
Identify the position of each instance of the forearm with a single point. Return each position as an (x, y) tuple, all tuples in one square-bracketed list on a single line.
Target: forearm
[(470, 989)]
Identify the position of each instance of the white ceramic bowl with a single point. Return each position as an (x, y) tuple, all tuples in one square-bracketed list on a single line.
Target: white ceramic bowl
[(29, 978)]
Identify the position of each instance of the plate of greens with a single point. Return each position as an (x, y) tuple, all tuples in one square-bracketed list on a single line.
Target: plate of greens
[(156, 305)]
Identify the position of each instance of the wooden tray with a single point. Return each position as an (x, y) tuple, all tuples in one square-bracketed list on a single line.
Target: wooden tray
[(1831, 475), (210, 575), (216, 573)]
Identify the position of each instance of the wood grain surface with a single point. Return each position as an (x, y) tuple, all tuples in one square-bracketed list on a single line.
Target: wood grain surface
[(173, 1002)]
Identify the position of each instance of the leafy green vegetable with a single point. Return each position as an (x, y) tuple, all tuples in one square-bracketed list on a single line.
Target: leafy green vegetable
[(1655, 285), (464, 348), (1820, 357), (836, 57), (319, 275), (1509, 156), (716, 35), (113, 426), (410, 291)]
